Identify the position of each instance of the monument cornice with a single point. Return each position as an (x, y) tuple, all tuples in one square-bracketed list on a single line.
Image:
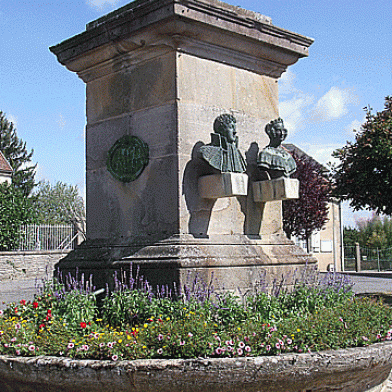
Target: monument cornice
[(209, 22)]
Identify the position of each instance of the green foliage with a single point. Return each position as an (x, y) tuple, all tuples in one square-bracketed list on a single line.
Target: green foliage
[(14, 149), (364, 175), (59, 203), (375, 232), (301, 217), (350, 236), (15, 209)]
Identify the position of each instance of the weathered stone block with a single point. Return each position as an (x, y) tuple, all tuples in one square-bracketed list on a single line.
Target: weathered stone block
[(277, 189), (223, 185)]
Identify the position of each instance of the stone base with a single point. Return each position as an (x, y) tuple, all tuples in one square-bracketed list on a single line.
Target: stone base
[(277, 189), (362, 369), (235, 263), (223, 185)]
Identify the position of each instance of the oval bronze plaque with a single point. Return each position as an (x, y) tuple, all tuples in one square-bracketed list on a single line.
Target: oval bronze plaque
[(127, 158)]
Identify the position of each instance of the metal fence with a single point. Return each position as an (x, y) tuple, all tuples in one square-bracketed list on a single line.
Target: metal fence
[(370, 259), (46, 237)]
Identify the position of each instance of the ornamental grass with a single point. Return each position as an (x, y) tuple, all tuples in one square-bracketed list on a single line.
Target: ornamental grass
[(133, 322)]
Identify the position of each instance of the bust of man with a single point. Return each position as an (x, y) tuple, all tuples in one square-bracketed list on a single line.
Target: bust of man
[(273, 159), (222, 153)]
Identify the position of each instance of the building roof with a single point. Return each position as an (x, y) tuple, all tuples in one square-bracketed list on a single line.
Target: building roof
[(5, 167), (300, 153)]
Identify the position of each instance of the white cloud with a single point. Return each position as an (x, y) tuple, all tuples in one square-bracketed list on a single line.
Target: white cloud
[(292, 111), (61, 121), (322, 153), (286, 83), (354, 125), (12, 119), (101, 4), (333, 104)]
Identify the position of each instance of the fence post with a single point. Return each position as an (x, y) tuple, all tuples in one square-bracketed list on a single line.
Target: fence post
[(357, 257), (79, 231)]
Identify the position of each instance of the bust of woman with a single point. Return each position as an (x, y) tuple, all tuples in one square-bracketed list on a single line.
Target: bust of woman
[(274, 159)]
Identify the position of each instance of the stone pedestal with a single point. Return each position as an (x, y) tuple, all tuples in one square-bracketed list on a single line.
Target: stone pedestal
[(276, 189), (220, 185), (160, 72)]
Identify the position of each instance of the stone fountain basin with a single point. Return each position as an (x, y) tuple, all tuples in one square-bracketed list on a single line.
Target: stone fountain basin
[(355, 369)]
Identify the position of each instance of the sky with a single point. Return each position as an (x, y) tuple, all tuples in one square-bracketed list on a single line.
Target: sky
[(322, 97)]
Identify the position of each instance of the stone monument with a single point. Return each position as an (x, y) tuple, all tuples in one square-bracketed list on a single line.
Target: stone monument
[(158, 73)]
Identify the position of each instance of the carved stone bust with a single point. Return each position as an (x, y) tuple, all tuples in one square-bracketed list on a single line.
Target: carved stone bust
[(222, 153), (274, 159)]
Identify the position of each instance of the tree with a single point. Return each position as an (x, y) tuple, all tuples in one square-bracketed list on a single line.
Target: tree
[(374, 232), (303, 216), (350, 236), (15, 209), (59, 203), (364, 174), (14, 149)]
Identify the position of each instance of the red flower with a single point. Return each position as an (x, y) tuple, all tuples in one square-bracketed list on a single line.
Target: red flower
[(42, 325), (35, 305), (23, 302), (83, 324)]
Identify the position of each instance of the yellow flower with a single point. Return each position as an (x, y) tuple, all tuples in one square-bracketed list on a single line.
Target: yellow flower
[(298, 330), (168, 318), (144, 347), (129, 337), (120, 341), (145, 325), (239, 328)]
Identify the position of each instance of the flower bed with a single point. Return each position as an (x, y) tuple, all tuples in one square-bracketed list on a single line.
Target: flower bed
[(137, 334)]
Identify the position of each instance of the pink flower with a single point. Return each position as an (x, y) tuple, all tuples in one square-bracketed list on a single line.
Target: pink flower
[(31, 347), (110, 345), (101, 345), (160, 337), (114, 357), (17, 352), (159, 351), (289, 341), (268, 347), (70, 345), (239, 351), (190, 334), (241, 344), (277, 345), (182, 342), (248, 349)]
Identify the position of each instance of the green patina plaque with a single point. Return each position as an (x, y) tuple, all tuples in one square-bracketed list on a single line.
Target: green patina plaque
[(127, 158)]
